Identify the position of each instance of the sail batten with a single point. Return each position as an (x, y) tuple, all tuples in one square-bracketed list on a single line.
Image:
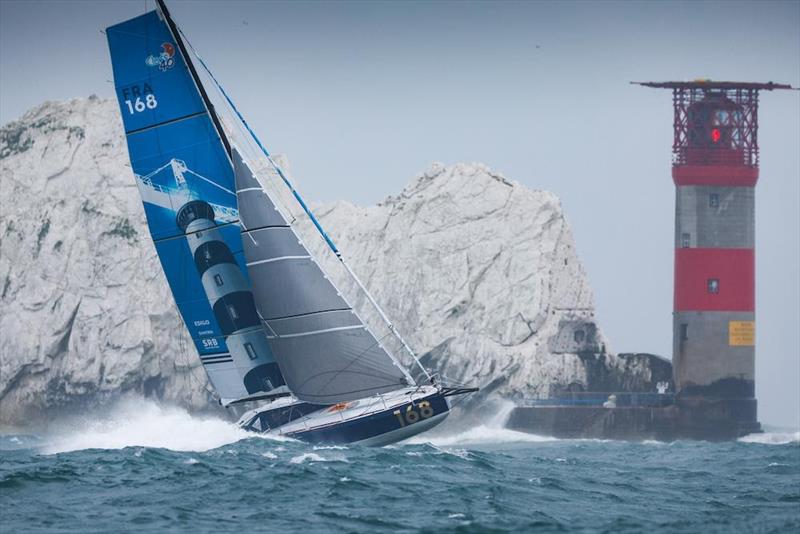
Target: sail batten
[(323, 331)]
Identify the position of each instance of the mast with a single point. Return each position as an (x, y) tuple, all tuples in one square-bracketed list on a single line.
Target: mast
[(176, 34)]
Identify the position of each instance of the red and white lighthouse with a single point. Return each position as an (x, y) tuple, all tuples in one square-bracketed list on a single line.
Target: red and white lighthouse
[(715, 170)]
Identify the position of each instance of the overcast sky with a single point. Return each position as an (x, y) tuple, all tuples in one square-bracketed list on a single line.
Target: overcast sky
[(362, 96)]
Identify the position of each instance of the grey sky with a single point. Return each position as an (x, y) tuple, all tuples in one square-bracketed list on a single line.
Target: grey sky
[(362, 96)]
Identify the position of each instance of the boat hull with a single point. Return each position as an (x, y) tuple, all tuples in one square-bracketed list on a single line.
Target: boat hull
[(380, 428), (374, 421)]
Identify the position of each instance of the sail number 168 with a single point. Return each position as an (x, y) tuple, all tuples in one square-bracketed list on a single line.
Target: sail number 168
[(412, 416), (139, 105)]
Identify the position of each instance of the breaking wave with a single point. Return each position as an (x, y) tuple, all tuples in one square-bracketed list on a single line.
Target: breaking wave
[(136, 422), (772, 438), (492, 431)]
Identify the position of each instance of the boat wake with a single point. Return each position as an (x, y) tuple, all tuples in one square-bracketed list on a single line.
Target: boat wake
[(137, 422), (491, 432)]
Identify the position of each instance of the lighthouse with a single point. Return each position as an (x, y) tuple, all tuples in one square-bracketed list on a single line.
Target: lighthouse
[(715, 170), (231, 300)]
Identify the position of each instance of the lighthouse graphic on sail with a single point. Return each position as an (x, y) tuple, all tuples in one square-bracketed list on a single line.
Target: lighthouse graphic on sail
[(158, 194)]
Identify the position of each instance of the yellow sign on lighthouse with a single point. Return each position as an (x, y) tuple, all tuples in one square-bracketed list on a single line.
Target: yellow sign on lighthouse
[(741, 333)]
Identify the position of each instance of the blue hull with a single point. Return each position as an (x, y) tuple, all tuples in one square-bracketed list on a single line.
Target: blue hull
[(380, 428)]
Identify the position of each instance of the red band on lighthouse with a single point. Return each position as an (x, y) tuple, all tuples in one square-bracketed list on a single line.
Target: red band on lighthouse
[(714, 279)]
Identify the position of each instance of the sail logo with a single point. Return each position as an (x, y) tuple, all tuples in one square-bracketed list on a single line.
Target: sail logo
[(165, 60)]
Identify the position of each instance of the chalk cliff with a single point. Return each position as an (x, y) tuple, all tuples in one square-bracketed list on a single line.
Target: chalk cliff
[(479, 272)]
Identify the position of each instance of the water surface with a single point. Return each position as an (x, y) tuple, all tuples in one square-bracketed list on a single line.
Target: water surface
[(149, 469)]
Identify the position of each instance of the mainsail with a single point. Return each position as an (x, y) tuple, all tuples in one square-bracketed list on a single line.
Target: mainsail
[(181, 161), (325, 351)]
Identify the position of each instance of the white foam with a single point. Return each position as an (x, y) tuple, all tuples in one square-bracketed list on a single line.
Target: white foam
[(270, 455), (772, 438), (309, 456), (136, 422), (493, 431)]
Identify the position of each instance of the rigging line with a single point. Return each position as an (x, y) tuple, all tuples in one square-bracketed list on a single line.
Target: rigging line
[(386, 319), (377, 342), (176, 34), (350, 272), (302, 203), (397, 364), (248, 231), (264, 150), (276, 196)]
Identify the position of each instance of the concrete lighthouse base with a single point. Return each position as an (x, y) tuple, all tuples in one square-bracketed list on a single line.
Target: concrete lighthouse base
[(723, 412), (703, 419)]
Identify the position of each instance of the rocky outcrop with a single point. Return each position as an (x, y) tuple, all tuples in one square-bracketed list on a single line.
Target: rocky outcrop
[(479, 272)]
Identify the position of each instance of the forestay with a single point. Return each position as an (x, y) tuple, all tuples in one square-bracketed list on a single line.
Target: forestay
[(325, 351), (187, 185)]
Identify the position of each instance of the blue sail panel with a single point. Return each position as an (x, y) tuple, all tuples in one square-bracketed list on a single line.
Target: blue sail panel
[(188, 190), (152, 80), (179, 161)]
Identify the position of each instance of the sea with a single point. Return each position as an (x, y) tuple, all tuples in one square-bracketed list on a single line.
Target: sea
[(138, 466)]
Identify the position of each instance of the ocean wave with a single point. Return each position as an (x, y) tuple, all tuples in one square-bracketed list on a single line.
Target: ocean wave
[(136, 422), (492, 432), (481, 435), (772, 438)]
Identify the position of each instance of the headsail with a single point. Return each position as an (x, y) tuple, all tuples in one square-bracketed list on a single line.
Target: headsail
[(187, 184), (325, 351)]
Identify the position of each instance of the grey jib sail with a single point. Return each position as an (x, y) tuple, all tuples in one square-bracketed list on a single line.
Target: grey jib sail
[(325, 351)]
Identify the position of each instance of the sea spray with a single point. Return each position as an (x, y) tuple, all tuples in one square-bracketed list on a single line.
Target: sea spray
[(772, 438), (138, 422), (490, 428)]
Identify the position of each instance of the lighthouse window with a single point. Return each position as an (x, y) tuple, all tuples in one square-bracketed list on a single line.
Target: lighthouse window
[(218, 280), (686, 240), (721, 117), (684, 331), (251, 352), (232, 312), (713, 200), (713, 285)]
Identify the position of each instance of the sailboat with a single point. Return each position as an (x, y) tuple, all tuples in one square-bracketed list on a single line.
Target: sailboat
[(270, 327)]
